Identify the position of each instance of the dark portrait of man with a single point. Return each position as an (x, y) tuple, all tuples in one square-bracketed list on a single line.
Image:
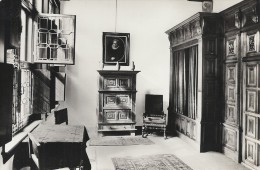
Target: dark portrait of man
[(115, 50)]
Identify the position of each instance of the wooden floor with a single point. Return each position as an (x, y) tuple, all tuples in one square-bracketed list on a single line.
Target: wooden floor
[(100, 156)]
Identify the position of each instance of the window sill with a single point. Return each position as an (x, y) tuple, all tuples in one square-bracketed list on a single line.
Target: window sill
[(20, 136)]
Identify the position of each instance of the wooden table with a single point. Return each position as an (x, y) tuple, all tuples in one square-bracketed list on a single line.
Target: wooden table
[(62, 145)]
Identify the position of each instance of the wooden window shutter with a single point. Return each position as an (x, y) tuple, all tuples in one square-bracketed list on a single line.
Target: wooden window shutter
[(60, 86), (41, 91), (6, 102)]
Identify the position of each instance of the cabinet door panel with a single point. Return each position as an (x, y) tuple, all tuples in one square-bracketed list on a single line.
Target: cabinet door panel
[(251, 75), (250, 151), (117, 83), (117, 116), (251, 113), (123, 115), (110, 115), (231, 116), (251, 126), (109, 83), (109, 100), (251, 101), (231, 70), (124, 100), (230, 138), (124, 82)]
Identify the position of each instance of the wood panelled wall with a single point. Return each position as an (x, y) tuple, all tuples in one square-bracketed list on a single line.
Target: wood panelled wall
[(241, 82), (228, 106)]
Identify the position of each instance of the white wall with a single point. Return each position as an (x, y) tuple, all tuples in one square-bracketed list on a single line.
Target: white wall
[(146, 21)]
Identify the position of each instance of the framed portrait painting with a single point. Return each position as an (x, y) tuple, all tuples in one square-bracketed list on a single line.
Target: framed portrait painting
[(116, 48)]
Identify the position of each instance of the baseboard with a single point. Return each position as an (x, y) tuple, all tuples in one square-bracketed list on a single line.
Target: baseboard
[(188, 140), (231, 154), (248, 166)]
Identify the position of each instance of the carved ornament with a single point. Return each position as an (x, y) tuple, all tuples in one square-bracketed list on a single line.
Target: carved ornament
[(240, 19), (198, 27), (255, 17)]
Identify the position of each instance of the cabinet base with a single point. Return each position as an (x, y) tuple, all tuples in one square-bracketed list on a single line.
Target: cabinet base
[(116, 132)]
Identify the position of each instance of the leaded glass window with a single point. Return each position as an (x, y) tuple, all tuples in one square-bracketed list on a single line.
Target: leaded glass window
[(55, 39)]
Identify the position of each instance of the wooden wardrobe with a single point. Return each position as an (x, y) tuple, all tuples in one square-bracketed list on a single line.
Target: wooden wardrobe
[(194, 108)]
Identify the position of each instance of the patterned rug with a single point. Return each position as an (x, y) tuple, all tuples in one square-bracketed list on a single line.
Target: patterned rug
[(152, 162), (119, 141)]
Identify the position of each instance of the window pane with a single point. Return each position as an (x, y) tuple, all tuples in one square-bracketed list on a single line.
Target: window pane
[(51, 7), (55, 39), (29, 39), (26, 92), (22, 104), (23, 36)]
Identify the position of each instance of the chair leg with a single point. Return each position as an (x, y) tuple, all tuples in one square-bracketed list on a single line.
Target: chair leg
[(144, 132), (164, 133)]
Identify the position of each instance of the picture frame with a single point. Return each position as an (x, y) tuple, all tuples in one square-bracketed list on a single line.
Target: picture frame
[(116, 48)]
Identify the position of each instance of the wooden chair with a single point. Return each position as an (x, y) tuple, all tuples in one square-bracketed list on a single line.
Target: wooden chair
[(154, 117), (61, 116)]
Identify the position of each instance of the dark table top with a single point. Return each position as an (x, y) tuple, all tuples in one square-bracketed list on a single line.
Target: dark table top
[(46, 133)]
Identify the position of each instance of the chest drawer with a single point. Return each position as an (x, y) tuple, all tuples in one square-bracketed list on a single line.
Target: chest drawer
[(117, 83), (117, 127), (116, 116), (112, 100)]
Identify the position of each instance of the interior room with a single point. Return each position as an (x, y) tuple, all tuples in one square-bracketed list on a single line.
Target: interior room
[(127, 84)]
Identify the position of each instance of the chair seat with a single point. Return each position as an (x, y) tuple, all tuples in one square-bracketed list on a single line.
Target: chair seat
[(154, 120)]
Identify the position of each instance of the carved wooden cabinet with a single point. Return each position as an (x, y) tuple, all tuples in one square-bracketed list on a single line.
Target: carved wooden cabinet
[(241, 83), (117, 97), (195, 80)]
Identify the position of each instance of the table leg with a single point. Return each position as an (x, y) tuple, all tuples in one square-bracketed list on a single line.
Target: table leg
[(85, 163)]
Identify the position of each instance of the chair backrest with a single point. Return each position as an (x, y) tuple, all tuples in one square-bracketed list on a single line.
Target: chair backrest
[(61, 116), (153, 104)]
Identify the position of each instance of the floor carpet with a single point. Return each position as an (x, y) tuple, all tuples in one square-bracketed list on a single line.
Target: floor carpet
[(151, 162), (119, 141)]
